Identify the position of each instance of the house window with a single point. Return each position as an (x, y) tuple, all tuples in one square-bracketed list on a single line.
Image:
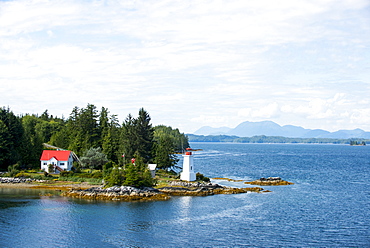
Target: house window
[(61, 163), (45, 163)]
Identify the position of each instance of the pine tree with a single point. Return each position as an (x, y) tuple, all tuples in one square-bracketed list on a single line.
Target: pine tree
[(31, 141), (11, 135), (144, 135), (138, 174)]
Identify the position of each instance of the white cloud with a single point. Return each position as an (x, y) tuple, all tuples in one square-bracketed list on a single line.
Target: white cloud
[(227, 61), (269, 111)]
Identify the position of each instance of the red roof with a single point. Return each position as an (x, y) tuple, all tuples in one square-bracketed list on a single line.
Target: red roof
[(59, 155)]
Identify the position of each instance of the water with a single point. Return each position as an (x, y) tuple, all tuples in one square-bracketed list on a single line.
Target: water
[(328, 206)]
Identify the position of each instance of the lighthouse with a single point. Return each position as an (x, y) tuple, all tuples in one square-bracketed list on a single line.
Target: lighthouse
[(187, 173)]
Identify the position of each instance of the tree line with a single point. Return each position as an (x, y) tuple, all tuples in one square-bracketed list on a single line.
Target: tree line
[(22, 137), (269, 139)]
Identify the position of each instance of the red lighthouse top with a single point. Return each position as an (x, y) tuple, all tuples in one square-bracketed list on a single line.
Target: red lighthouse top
[(190, 150)]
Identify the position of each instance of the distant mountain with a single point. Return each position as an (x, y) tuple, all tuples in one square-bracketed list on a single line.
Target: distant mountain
[(248, 129), (270, 128)]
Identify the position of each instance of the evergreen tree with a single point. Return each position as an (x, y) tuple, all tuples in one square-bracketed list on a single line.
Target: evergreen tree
[(31, 141), (110, 134), (127, 138), (137, 136), (114, 177), (168, 142), (94, 158), (88, 119), (180, 140), (4, 145), (165, 157), (11, 133), (104, 122), (21, 138), (137, 174), (144, 135)]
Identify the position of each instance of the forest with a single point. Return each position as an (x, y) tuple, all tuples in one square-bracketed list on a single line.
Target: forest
[(88, 130)]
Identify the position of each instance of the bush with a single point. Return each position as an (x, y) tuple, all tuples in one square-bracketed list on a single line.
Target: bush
[(115, 177), (39, 177), (66, 174), (22, 174), (13, 170), (97, 174), (201, 177), (84, 175), (51, 168)]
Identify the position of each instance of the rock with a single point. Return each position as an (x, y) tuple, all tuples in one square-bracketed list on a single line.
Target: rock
[(127, 193), (270, 181), (123, 193), (18, 180)]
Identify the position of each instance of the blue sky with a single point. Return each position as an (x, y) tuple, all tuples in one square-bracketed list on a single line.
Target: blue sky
[(191, 63)]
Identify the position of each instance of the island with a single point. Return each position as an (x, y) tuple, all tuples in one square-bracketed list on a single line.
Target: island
[(270, 181), (127, 193)]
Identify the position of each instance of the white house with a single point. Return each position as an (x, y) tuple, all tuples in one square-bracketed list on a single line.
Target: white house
[(61, 160)]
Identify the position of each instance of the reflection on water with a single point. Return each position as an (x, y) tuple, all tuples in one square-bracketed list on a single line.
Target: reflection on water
[(185, 207), (11, 204)]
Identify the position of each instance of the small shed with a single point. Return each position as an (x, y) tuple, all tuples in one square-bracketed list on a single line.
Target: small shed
[(61, 160), (152, 168)]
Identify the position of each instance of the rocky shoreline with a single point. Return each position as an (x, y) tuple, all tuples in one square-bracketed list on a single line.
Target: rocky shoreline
[(270, 181), (128, 193), (175, 188), (19, 180)]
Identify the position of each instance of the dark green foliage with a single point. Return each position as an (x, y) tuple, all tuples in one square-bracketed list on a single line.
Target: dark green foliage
[(66, 173), (137, 136), (21, 141), (165, 157), (13, 170), (179, 140), (201, 177), (168, 142), (31, 146), (95, 174), (11, 134), (114, 177), (357, 143), (110, 139), (94, 158), (51, 168), (107, 167), (83, 129), (138, 174)]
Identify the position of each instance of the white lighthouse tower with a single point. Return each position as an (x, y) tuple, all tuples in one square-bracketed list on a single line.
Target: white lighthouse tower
[(187, 173)]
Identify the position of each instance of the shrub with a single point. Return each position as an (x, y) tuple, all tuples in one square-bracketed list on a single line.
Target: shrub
[(51, 168), (201, 177), (115, 177), (22, 174), (13, 170), (66, 174), (97, 174)]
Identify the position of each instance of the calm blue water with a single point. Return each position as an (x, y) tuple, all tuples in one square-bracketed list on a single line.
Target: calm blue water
[(328, 206)]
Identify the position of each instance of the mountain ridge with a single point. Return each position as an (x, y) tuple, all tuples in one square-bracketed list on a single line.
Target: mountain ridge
[(270, 128)]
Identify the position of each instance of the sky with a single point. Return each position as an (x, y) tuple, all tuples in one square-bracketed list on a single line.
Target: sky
[(190, 63)]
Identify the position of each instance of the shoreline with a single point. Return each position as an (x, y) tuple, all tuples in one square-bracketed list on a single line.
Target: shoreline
[(88, 191), (128, 193), (58, 187)]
